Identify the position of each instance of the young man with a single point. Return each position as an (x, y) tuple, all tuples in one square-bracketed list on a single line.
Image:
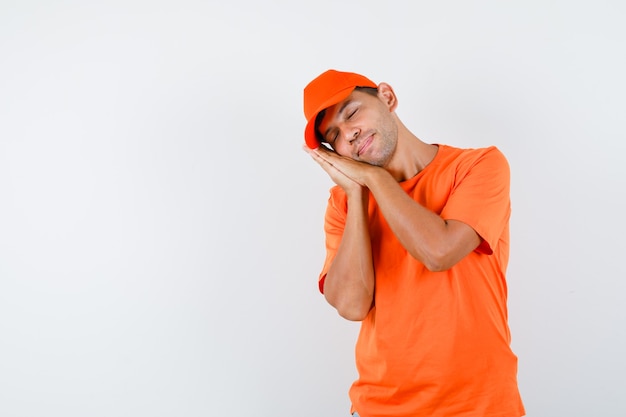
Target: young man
[(417, 240)]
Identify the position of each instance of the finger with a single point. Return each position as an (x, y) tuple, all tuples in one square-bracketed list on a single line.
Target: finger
[(324, 163), (308, 150), (327, 155)]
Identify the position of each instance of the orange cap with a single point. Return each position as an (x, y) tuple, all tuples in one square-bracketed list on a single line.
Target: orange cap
[(328, 89)]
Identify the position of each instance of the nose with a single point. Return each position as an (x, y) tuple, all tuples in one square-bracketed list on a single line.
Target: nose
[(351, 133)]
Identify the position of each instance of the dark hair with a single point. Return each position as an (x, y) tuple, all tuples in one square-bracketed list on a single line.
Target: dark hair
[(318, 119), (369, 90)]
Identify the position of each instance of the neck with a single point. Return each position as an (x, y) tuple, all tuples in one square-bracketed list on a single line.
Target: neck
[(410, 156)]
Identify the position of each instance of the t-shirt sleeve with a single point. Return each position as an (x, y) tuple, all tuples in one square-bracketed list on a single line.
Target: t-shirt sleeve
[(334, 224), (480, 197)]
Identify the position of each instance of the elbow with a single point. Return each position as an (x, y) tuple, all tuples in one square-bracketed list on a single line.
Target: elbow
[(353, 314), (437, 266), (443, 251), (351, 310), (436, 261)]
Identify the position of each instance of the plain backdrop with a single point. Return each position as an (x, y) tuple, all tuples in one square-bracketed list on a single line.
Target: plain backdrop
[(161, 227)]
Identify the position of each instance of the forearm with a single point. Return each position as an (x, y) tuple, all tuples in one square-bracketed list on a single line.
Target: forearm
[(437, 243), (350, 281)]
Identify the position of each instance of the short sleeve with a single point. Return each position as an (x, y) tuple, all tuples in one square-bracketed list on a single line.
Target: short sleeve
[(334, 225), (480, 197)]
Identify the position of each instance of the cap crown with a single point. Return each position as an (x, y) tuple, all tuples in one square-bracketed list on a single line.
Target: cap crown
[(328, 89)]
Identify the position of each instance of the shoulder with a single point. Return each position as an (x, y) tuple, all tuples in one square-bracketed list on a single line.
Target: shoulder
[(469, 153), (490, 157), (337, 202)]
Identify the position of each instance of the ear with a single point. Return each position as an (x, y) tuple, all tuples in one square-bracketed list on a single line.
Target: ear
[(388, 96)]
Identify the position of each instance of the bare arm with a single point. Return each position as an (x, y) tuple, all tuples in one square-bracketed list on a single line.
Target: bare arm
[(437, 243), (349, 283)]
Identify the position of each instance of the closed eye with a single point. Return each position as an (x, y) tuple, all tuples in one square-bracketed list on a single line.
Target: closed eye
[(332, 138), (333, 134)]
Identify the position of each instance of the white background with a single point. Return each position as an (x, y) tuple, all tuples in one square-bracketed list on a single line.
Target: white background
[(161, 227)]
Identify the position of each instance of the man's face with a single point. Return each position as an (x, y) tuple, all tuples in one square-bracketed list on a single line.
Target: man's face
[(361, 127)]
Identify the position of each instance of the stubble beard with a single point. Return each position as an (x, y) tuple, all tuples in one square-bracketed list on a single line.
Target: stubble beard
[(388, 142)]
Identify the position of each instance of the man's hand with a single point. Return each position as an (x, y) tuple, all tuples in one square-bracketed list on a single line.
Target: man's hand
[(345, 172), (350, 281)]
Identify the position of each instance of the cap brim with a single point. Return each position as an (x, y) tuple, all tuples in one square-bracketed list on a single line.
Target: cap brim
[(310, 138)]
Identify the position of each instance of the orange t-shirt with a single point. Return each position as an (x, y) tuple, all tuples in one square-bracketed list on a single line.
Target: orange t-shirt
[(437, 343)]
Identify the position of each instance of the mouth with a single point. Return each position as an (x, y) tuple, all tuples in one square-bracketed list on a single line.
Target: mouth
[(364, 145)]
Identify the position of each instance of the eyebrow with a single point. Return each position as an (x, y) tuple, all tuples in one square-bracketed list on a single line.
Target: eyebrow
[(341, 109)]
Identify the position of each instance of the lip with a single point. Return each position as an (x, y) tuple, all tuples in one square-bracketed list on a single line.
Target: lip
[(363, 146)]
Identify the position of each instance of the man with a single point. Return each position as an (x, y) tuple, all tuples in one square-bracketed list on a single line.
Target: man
[(417, 243)]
